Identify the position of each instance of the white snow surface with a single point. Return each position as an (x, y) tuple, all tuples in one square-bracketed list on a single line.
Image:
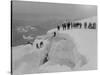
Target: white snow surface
[(70, 50)]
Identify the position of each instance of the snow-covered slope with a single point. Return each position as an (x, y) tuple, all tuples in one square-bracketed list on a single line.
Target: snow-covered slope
[(69, 50)]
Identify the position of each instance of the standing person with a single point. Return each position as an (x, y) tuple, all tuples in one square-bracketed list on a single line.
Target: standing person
[(68, 25), (58, 27), (80, 25), (37, 46), (41, 43), (64, 26), (85, 25), (54, 34)]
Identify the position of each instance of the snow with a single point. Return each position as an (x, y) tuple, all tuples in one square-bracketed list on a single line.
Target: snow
[(74, 49)]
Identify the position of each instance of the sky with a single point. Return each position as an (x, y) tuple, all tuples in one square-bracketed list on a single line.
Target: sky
[(41, 12)]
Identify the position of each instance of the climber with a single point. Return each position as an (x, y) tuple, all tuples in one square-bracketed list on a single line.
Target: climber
[(64, 26), (54, 34), (58, 27), (41, 43), (37, 46), (68, 25)]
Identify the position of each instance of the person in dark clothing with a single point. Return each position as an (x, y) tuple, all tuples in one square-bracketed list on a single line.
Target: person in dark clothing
[(58, 27), (54, 34), (37, 46), (64, 26), (68, 25), (80, 25), (85, 25), (77, 25), (41, 43)]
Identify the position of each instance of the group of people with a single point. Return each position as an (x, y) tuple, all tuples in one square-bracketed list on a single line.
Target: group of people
[(40, 45), (64, 26)]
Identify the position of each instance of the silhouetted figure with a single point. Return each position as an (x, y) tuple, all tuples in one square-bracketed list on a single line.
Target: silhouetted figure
[(41, 43), (54, 34), (58, 27), (37, 46), (77, 25), (94, 25), (80, 25), (64, 26), (68, 25), (85, 25)]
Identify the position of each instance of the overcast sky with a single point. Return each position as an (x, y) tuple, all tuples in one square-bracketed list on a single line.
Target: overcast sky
[(42, 12)]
